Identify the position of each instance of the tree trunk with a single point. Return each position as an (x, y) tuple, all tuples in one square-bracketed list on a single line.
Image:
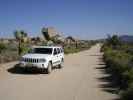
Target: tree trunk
[(19, 48)]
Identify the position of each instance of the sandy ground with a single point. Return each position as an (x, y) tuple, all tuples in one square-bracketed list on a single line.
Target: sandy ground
[(80, 79)]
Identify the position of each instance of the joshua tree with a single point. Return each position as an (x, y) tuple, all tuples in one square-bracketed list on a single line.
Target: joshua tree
[(17, 35), (23, 35), (113, 41), (20, 35)]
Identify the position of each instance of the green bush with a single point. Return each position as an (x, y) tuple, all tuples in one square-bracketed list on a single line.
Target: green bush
[(128, 94), (128, 77), (119, 62), (10, 53), (24, 49), (68, 50), (74, 49), (2, 47)]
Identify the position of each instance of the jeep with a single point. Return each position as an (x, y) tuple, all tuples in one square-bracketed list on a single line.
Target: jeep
[(44, 58)]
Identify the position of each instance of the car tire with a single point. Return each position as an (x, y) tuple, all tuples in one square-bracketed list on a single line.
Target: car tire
[(61, 65), (49, 69)]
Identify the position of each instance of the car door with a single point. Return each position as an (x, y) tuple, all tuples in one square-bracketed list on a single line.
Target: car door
[(59, 55), (55, 57)]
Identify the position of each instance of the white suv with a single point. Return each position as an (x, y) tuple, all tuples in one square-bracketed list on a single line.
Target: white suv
[(44, 58)]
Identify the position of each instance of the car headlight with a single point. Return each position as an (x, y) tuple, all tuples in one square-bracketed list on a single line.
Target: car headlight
[(42, 60)]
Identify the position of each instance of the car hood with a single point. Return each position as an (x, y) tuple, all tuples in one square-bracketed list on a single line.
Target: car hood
[(36, 56)]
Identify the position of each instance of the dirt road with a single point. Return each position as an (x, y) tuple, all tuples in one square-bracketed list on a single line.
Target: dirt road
[(81, 78)]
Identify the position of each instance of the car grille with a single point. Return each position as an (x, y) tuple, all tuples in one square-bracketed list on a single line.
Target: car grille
[(31, 60)]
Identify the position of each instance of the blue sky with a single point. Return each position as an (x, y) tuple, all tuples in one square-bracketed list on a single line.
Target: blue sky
[(86, 19)]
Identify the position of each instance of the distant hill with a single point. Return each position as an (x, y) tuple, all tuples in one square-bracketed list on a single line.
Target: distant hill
[(126, 38)]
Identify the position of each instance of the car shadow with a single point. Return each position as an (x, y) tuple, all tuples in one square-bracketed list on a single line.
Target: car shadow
[(19, 70)]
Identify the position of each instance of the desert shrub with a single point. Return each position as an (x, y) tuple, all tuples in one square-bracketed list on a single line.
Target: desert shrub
[(119, 60), (128, 77), (24, 49), (8, 56), (80, 47), (130, 50), (118, 63), (2, 47), (128, 94), (9, 53), (68, 50)]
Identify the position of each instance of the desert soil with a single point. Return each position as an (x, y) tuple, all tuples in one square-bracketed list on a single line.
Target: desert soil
[(82, 78)]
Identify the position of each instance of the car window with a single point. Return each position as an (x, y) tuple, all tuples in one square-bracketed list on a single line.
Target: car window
[(42, 50), (58, 50), (55, 51)]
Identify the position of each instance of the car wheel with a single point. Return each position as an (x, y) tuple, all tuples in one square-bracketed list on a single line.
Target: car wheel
[(61, 64), (49, 69)]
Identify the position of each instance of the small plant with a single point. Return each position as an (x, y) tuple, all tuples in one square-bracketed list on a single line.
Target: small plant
[(2, 47)]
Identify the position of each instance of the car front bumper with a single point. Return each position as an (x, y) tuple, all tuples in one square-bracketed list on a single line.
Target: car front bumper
[(32, 65)]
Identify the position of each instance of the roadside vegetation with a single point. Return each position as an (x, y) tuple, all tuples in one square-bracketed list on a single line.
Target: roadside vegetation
[(119, 60), (74, 48), (21, 44), (8, 52)]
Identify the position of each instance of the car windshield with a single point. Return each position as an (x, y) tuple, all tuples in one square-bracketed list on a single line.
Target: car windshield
[(42, 50)]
